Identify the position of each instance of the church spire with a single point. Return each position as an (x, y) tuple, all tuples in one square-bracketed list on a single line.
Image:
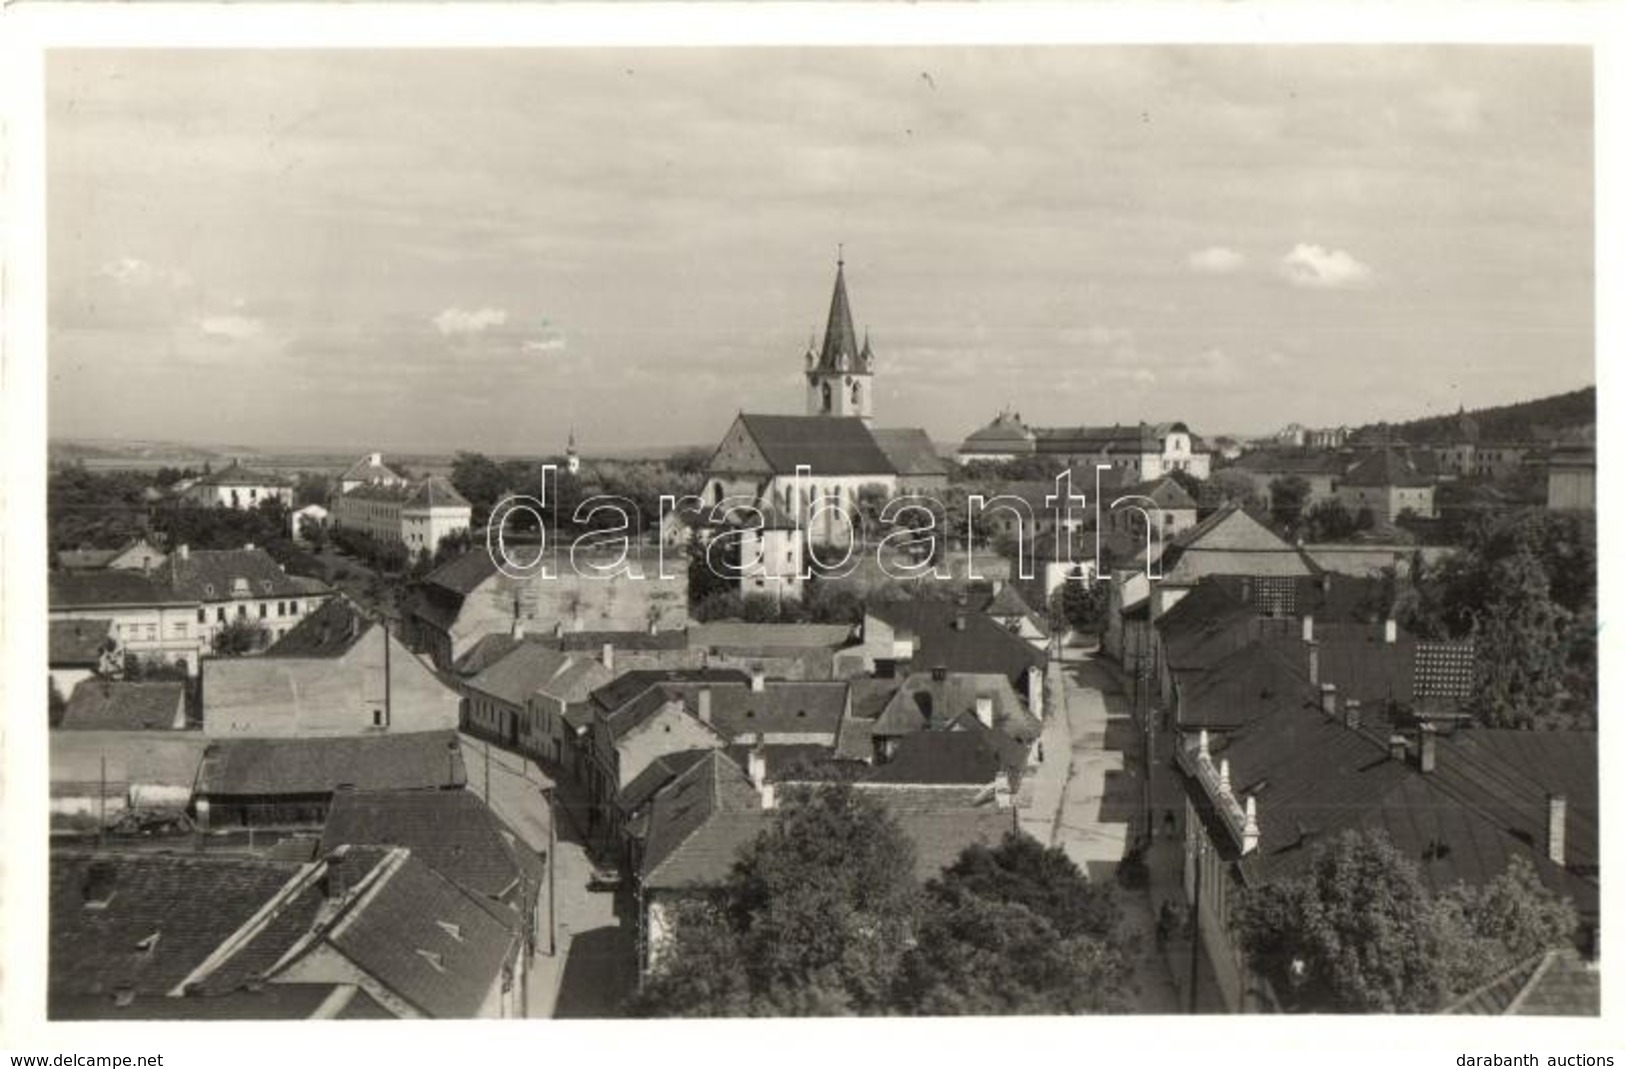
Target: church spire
[(840, 351)]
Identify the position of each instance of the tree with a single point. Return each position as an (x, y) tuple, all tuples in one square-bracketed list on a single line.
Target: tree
[(1015, 929), (1083, 602), (239, 636), (1361, 933), (1289, 495), (1329, 521), (814, 918), (1230, 486)]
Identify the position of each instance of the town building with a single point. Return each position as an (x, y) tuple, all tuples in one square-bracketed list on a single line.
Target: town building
[(81, 648), (520, 699), (138, 554), (337, 672), (901, 637), (376, 501), (469, 598), (290, 782), (1571, 478), (1460, 804), (1143, 452), (301, 520), (361, 933), (238, 487), (1386, 484), (1320, 470)]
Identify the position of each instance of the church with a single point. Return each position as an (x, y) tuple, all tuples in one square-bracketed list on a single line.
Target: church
[(793, 468)]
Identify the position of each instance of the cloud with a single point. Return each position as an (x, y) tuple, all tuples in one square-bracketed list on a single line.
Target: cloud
[(231, 327), (554, 344), (1215, 260), (133, 272), (1314, 267), (455, 321)]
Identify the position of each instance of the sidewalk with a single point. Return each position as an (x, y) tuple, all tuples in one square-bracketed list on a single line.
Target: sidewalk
[(1044, 790)]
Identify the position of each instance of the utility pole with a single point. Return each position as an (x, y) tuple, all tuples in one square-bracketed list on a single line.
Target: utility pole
[(1198, 855), (487, 745), (388, 711), (101, 804), (552, 868), (1142, 693)]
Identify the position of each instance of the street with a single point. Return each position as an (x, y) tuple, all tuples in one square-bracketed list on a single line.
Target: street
[(594, 967)]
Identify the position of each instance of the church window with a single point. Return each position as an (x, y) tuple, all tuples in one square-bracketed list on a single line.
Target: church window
[(828, 400), (857, 390)]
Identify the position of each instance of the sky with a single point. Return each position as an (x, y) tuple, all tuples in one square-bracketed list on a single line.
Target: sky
[(440, 250)]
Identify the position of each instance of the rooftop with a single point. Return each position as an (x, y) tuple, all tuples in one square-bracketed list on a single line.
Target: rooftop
[(317, 766), (104, 705)]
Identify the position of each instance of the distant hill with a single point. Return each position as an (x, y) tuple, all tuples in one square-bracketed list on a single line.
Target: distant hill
[(1564, 416)]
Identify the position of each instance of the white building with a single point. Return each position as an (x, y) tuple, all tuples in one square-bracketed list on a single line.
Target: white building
[(418, 517), (240, 488)]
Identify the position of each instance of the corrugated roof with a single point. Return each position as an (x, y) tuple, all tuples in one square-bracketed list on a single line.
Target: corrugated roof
[(248, 767)]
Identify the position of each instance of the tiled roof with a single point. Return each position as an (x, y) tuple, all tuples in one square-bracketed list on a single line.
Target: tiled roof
[(110, 705), (213, 574), (79, 643), (910, 450), (1006, 434), (783, 761), (1314, 777), (700, 823), (661, 771), (86, 559), (739, 635), (366, 471), (528, 668), (595, 641), (234, 474), (266, 1002), (1553, 983), (1229, 542), (450, 831), (331, 631), (249, 767), (436, 492), (1385, 467), (1166, 492), (89, 590), (970, 757), (940, 835), (981, 645), (828, 445), (464, 574), (486, 651), (1269, 462), (164, 914), (426, 941), (923, 703), (158, 758), (628, 685), (781, 707)]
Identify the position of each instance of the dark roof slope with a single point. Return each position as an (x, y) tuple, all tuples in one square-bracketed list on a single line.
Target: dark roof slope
[(945, 634), (248, 767), (910, 450), (970, 757), (828, 445), (331, 631), (700, 823), (112, 705), (163, 915), (79, 643), (85, 590), (1385, 467), (213, 574), (235, 474)]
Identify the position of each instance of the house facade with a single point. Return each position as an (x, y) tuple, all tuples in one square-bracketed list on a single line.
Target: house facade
[(237, 487)]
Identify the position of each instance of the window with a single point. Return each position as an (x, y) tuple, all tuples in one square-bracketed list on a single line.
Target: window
[(282, 608), (179, 629), (203, 616), (263, 608), (242, 612), (293, 608), (220, 615), (377, 718)]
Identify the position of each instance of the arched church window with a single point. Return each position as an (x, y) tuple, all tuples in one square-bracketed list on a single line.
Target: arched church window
[(828, 399), (857, 390)]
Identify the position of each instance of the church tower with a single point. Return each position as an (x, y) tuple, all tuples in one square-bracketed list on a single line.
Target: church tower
[(840, 377)]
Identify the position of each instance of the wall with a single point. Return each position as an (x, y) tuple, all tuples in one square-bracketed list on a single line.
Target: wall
[(669, 731), (167, 633)]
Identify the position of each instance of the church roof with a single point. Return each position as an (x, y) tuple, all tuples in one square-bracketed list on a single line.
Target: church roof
[(910, 450), (829, 445), (841, 351)]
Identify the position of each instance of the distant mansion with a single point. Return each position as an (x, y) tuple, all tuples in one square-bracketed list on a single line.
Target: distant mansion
[(1144, 452), (235, 486), (374, 499)]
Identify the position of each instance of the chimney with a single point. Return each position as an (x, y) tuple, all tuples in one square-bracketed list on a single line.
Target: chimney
[(1201, 743), (1314, 660), (1328, 698), (758, 681), (1396, 747), (183, 551), (1390, 631), (1428, 756), (756, 765), (608, 656), (375, 460), (1557, 813), (1249, 826), (984, 709), (704, 700), (335, 882), (1351, 714), (1308, 627), (1035, 692)]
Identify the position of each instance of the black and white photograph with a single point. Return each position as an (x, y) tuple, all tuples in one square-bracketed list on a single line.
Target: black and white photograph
[(1053, 530)]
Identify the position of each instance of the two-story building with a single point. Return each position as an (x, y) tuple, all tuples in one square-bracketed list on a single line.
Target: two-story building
[(238, 487)]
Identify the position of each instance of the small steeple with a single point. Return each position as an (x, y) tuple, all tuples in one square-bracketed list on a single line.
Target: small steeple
[(840, 351)]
